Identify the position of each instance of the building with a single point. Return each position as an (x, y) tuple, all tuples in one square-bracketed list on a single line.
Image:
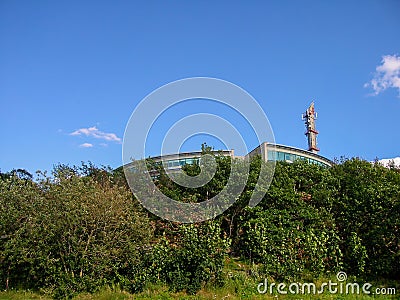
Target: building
[(175, 161), (268, 152), (276, 152)]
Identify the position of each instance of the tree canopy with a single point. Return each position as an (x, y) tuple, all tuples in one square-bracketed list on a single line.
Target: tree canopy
[(81, 228)]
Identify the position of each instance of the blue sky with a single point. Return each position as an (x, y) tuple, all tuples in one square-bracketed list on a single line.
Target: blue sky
[(72, 72)]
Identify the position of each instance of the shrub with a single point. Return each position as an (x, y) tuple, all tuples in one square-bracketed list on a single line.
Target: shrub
[(69, 234), (194, 257), (289, 243)]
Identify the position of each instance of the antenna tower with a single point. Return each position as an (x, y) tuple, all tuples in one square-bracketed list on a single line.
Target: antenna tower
[(309, 118)]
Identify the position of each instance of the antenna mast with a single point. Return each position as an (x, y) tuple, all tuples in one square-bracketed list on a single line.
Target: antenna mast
[(309, 118)]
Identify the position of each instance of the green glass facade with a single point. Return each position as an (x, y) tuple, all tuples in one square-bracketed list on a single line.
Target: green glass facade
[(170, 164), (268, 152), (284, 156)]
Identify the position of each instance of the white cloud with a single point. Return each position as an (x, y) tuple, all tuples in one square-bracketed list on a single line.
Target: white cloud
[(86, 145), (387, 75), (96, 133)]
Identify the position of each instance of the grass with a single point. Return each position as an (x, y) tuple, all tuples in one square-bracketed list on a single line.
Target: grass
[(162, 293), (238, 285)]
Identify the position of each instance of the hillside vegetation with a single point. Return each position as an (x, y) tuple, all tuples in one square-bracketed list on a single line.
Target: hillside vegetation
[(80, 230)]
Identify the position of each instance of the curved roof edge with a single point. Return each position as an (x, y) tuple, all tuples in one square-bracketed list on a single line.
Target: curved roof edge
[(265, 147)]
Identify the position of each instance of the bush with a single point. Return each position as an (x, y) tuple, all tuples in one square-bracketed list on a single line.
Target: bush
[(193, 257), (367, 210), (69, 234), (289, 243), (82, 229)]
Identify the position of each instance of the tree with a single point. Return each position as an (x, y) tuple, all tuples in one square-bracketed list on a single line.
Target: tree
[(71, 233)]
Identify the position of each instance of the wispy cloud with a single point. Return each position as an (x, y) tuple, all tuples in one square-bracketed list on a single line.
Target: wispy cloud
[(96, 133), (387, 75), (86, 145)]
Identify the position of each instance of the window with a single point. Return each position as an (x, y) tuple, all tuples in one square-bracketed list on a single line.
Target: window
[(280, 156), (271, 155)]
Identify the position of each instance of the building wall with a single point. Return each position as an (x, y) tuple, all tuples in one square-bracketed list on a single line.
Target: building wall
[(176, 161), (270, 152)]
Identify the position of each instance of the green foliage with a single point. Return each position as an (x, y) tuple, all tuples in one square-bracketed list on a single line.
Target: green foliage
[(81, 229), (367, 211), (69, 233), (318, 220), (290, 243), (356, 255), (194, 256), (286, 233)]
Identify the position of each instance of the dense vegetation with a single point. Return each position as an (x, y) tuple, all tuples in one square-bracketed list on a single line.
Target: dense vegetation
[(81, 229)]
